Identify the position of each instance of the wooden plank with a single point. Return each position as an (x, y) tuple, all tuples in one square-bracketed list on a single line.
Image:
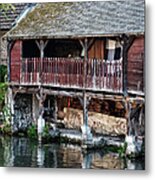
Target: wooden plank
[(91, 52)]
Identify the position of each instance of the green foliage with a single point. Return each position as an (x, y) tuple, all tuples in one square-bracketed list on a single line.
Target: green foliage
[(7, 114), (46, 134), (3, 85), (6, 128), (122, 150), (6, 121), (3, 90), (32, 132), (3, 73)]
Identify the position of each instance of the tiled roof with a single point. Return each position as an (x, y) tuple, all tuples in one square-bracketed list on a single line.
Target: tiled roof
[(7, 19), (79, 19)]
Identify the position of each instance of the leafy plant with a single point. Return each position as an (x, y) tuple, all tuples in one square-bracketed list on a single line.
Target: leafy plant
[(32, 132), (122, 150), (46, 132), (3, 88), (6, 128), (3, 73), (7, 114)]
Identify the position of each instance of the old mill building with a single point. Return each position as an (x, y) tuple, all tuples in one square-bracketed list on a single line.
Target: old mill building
[(81, 63)]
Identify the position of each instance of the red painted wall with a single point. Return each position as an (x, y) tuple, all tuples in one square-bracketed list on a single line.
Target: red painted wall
[(136, 65), (15, 61), (97, 50)]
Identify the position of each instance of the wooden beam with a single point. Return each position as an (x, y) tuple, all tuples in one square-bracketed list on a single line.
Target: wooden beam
[(67, 93), (90, 43), (41, 43), (38, 44), (82, 43)]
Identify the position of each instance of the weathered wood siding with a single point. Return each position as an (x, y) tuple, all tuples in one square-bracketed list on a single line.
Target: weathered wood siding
[(97, 50), (136, 65), (15, 61)]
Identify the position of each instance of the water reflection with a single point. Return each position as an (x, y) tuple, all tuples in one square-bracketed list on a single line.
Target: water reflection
[(22, 152)]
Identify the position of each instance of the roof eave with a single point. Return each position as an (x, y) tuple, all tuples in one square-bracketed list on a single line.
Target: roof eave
[(75, 36)]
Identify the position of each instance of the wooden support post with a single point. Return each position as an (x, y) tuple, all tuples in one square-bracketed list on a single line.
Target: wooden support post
[(11, 106), (55, 109), (35, 108), (9, 47), (127, 42), (41, 122), (130, 137), (41, 45), (128, 116), (87, 136), (85, 110)]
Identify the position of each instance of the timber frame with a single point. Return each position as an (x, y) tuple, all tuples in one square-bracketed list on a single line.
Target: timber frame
[(84, 94)]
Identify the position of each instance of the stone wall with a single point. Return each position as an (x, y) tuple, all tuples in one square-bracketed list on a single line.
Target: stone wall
[(22, 112)]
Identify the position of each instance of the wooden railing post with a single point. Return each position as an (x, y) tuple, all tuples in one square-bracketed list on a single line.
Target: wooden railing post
[(86, 74)]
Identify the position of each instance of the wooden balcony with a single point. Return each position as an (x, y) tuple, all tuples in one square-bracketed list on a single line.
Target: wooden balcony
[(101, 75)]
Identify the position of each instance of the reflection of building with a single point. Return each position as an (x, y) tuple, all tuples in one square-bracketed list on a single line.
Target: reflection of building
[(80, 55), (21, 152)]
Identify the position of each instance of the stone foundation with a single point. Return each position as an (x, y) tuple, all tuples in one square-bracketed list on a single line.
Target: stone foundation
[(22, 112)]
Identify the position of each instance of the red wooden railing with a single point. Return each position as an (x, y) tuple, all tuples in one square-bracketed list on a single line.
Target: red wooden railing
[(66, 72)]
